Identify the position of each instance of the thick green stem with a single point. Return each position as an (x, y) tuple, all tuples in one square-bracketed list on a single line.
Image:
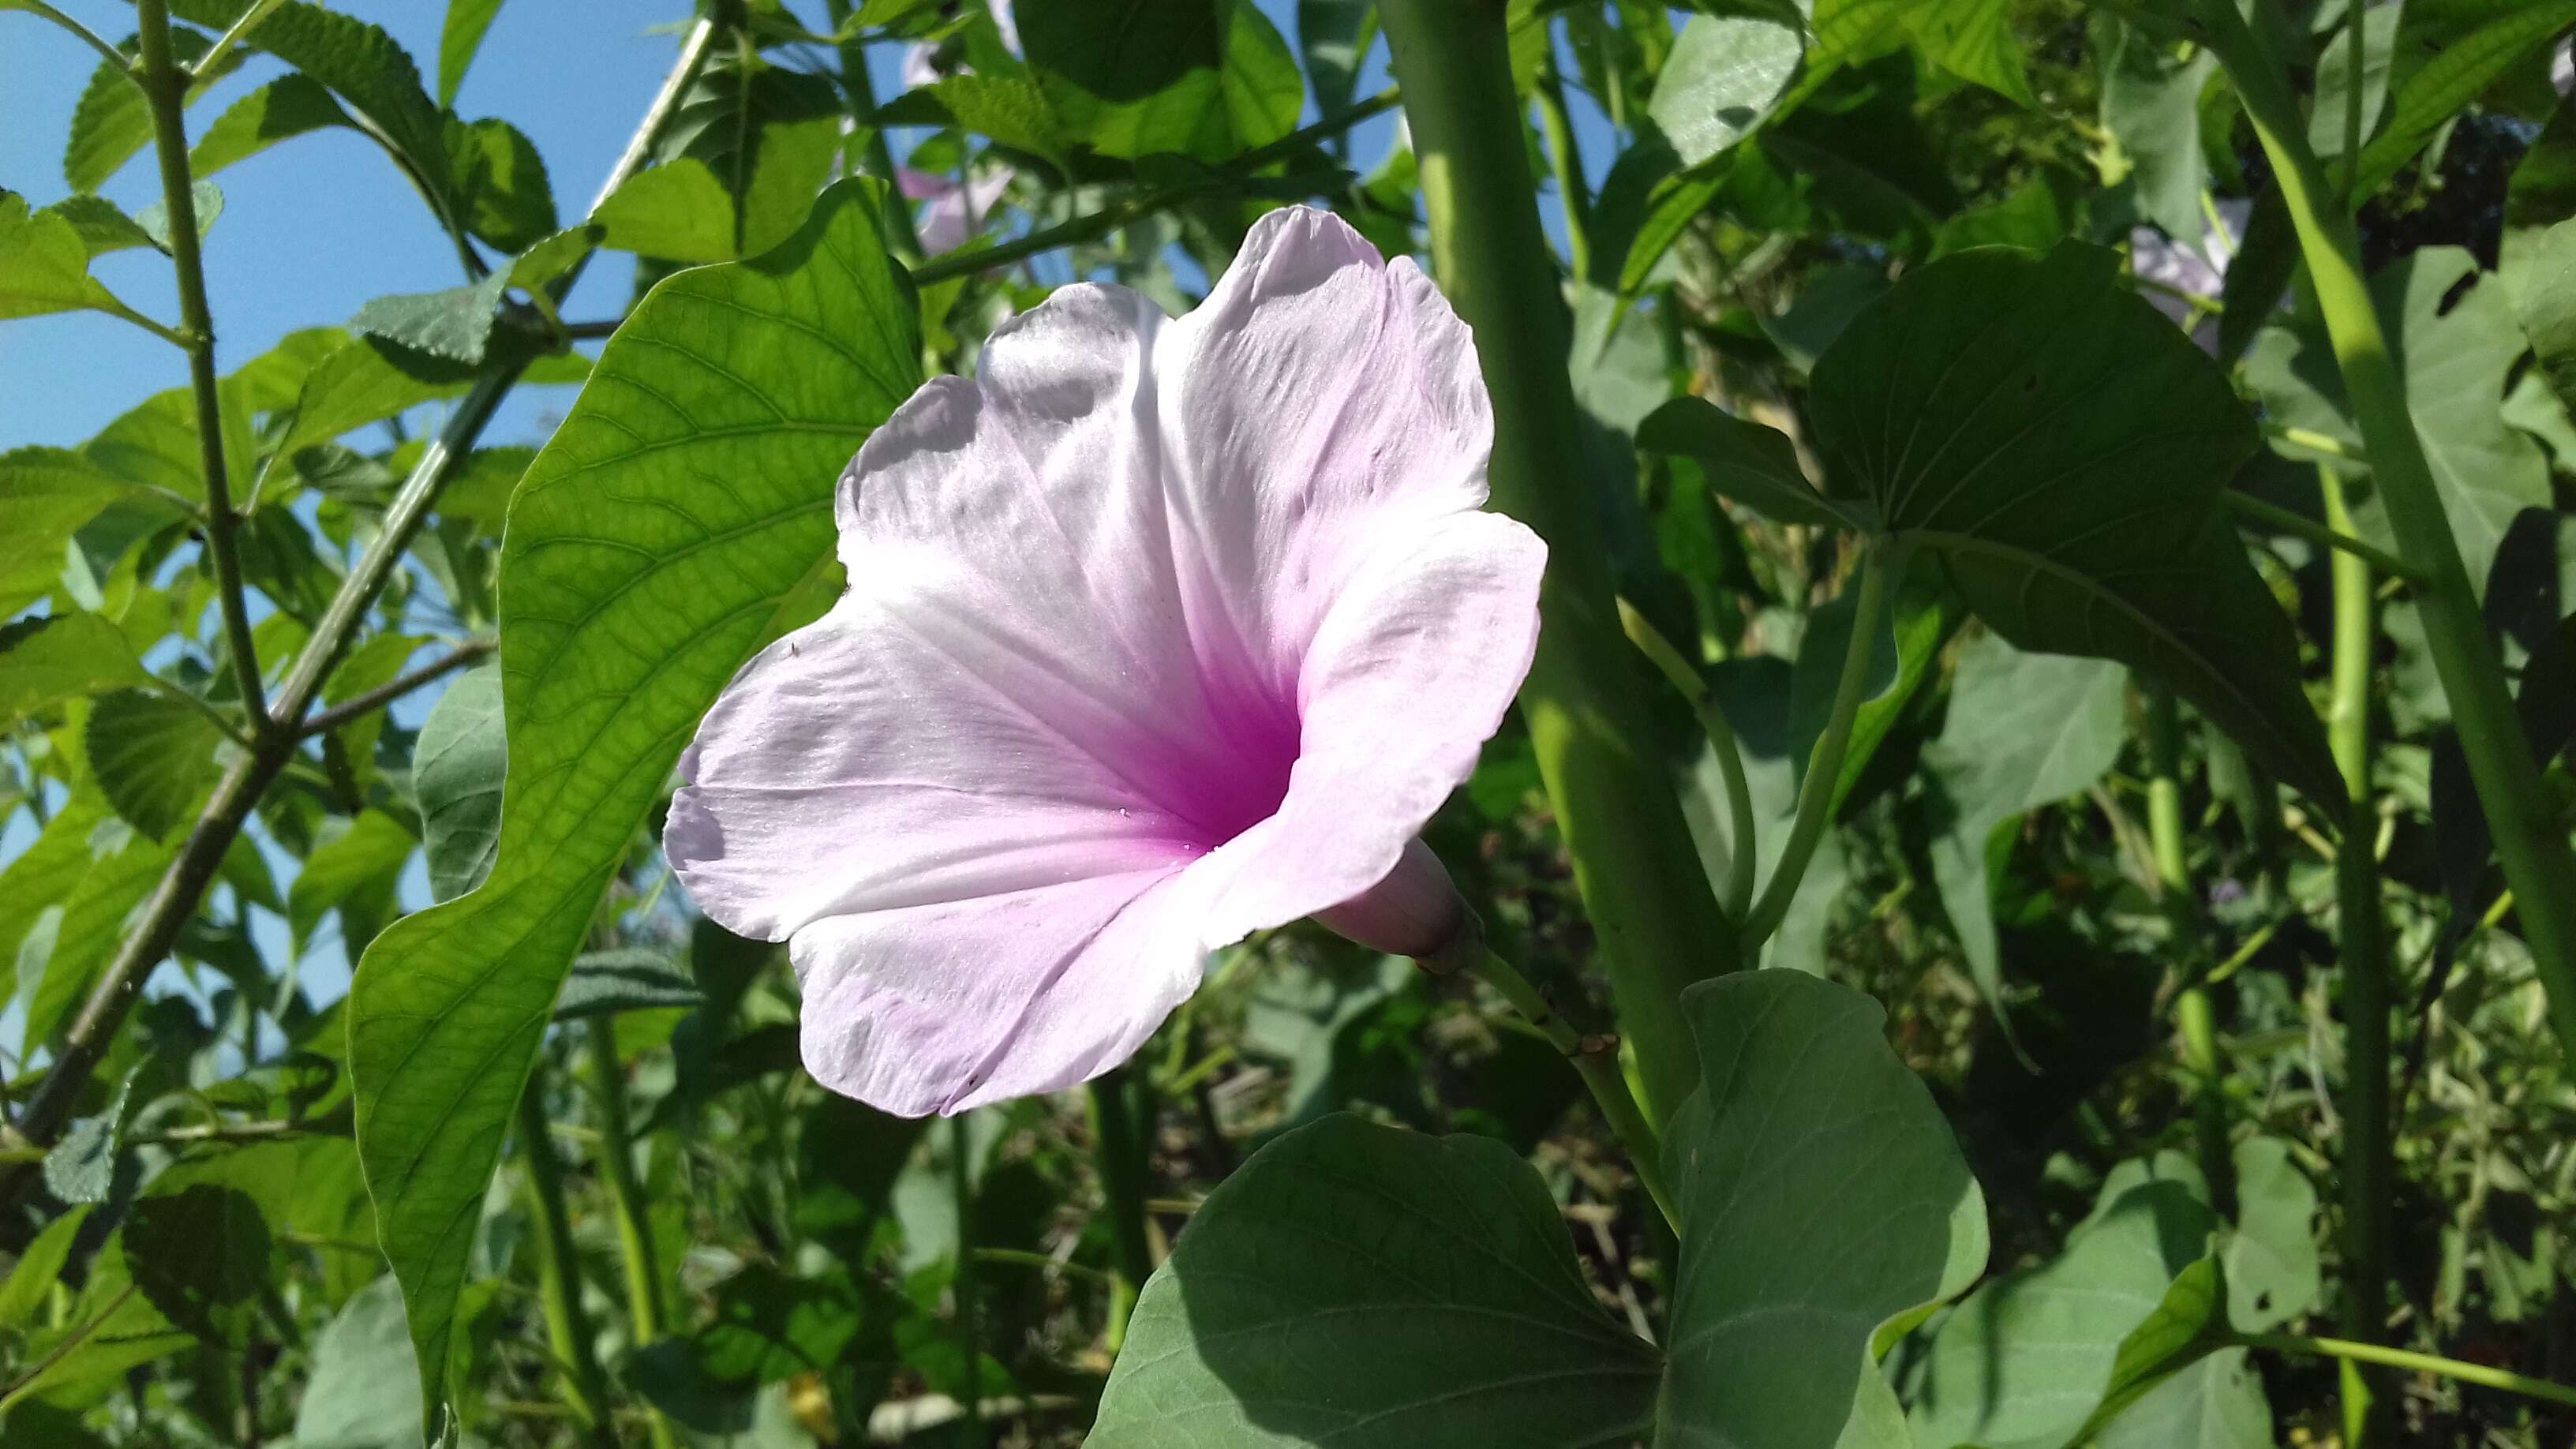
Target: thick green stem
[(1651, 907), (1565, 158), (1825, 766), (2369, 1167), (2537, 861), (165, 86), (2193, 1015), (1120, 1144), (1668, 661), (1596, 1060), (626, 1196), (2449, 1368), (585, 1387)]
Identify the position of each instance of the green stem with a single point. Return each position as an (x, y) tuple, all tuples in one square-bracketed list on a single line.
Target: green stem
[(165, 86), (1596, 1060), (863, 108), (2537, 861), (2369, 1166), (1825, 766), (232, 35), (2194, 1016), (2449, 1368), (585, 1388), (626, 1197), (1669, 662), (1566, 159), (1121, 1152), (961, 1283), (1658, 922), (2282, 520), (87, 36)]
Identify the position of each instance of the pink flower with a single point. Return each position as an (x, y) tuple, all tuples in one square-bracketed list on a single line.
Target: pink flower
[(1157, 634), (955, 213)]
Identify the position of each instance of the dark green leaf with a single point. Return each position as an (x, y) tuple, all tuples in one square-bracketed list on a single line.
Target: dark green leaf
[(2063, 447), (2537, 258), (48, 660), (2434, 92), (1754, 465), (2335, 79), (1374, 1286), (201, 1255), (285, 108), (2151, 106), (634, 979), (1808, 1138), (103, 225), (1336, 36), (112, 1328), (154, 756), (620, 622), (1973, 40), (458, 40), (1723, 77), (457, 767), (501, 184), (1010, 110), (1202, 78)]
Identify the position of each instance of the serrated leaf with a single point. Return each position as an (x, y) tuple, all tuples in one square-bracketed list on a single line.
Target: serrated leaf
[(1809, 1137), (369, 379), (82, 1167), (45, 661), (44, 264), (206, 203), (2062, 447), (154, 756), (102, 225), (80, 880), (287, 107), (630, 979), (201, 1254), (619, 624), (2024, 730), (501, 184), (458, 40), (1724, 75), (1367, 1285), (455, 323), (1208, 79), (1011, 111), (112, 120)]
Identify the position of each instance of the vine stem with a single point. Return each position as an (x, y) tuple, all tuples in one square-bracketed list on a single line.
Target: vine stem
[(2255, 510), (2369, 1167), (2194, 1018), (87, 36), (184, 884), (2449, 1368), (626, 1196), (2537, 861), (1596, 1060), (1658, 922), (1668, 661), (1120, 1149), (1825, 766), (165, 87), (1566, 159), (568, 1333)]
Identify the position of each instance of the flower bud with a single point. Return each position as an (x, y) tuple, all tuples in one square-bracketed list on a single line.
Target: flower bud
[(1414, 911)]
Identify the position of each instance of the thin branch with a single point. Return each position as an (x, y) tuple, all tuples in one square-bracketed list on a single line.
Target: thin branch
[(1595, 1058), (232, 36), (88, 37), (376, 699), (2449, 1368), (1740, 846), (165, 85), (2255, 510)]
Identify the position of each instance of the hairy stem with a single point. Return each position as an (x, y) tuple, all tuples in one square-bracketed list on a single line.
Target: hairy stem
[(165, 86), (1668, 661), (1824, 767), (2537, 861), (2369, 1168), (148, 940), (1657, 920), (1121, 1142), (1596, 1060)]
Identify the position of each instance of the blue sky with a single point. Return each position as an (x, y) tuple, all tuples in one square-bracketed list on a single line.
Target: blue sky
[(315, 227)]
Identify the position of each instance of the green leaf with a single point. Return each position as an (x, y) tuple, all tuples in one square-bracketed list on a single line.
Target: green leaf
[(154, 756), (46, 661), (501, 184), (457, 767), (2215, 1403), (2025, 1360), (112, 121), (455, 323), (678, 211), (1973, 40), (1745, 461), (1365, 1285), (768, 135), (2151, 106), (2024, 730), (2335, 79), (2062, 447), (458, 40), (285, 108), (365, 1388), (1807, 1140), (2454, 348), (2537, 257), (201, 1254), (602, 983), (24, 1294), (102, 224), (1010, 110), (679, 519), (370, 380), (1723, 77), (2271, 1259), (44, 265), (206, 203), (83, 1166), (112, 1328), (2427, 99), (1336, 36), (63, 902), (2028, 218), (1208, 79), (352, 872)]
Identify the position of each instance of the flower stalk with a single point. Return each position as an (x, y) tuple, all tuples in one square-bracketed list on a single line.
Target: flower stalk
[(1824, 767), (1658, 921), (1596, 1059)]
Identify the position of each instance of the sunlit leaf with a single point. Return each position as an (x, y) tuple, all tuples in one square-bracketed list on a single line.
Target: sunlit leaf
[(290, 106), (44, 264), (457, 766), (154, 755), (1723, 77), (365, 1388), (1202, 78), (45, 661), (458, 40)]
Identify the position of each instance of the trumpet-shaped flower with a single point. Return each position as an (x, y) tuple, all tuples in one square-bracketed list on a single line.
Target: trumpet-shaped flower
[(1157, 634)]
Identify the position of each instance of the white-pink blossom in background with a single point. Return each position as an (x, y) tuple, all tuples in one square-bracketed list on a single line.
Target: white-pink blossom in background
[(954, 213), (2198, 269), (1158, 633)]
